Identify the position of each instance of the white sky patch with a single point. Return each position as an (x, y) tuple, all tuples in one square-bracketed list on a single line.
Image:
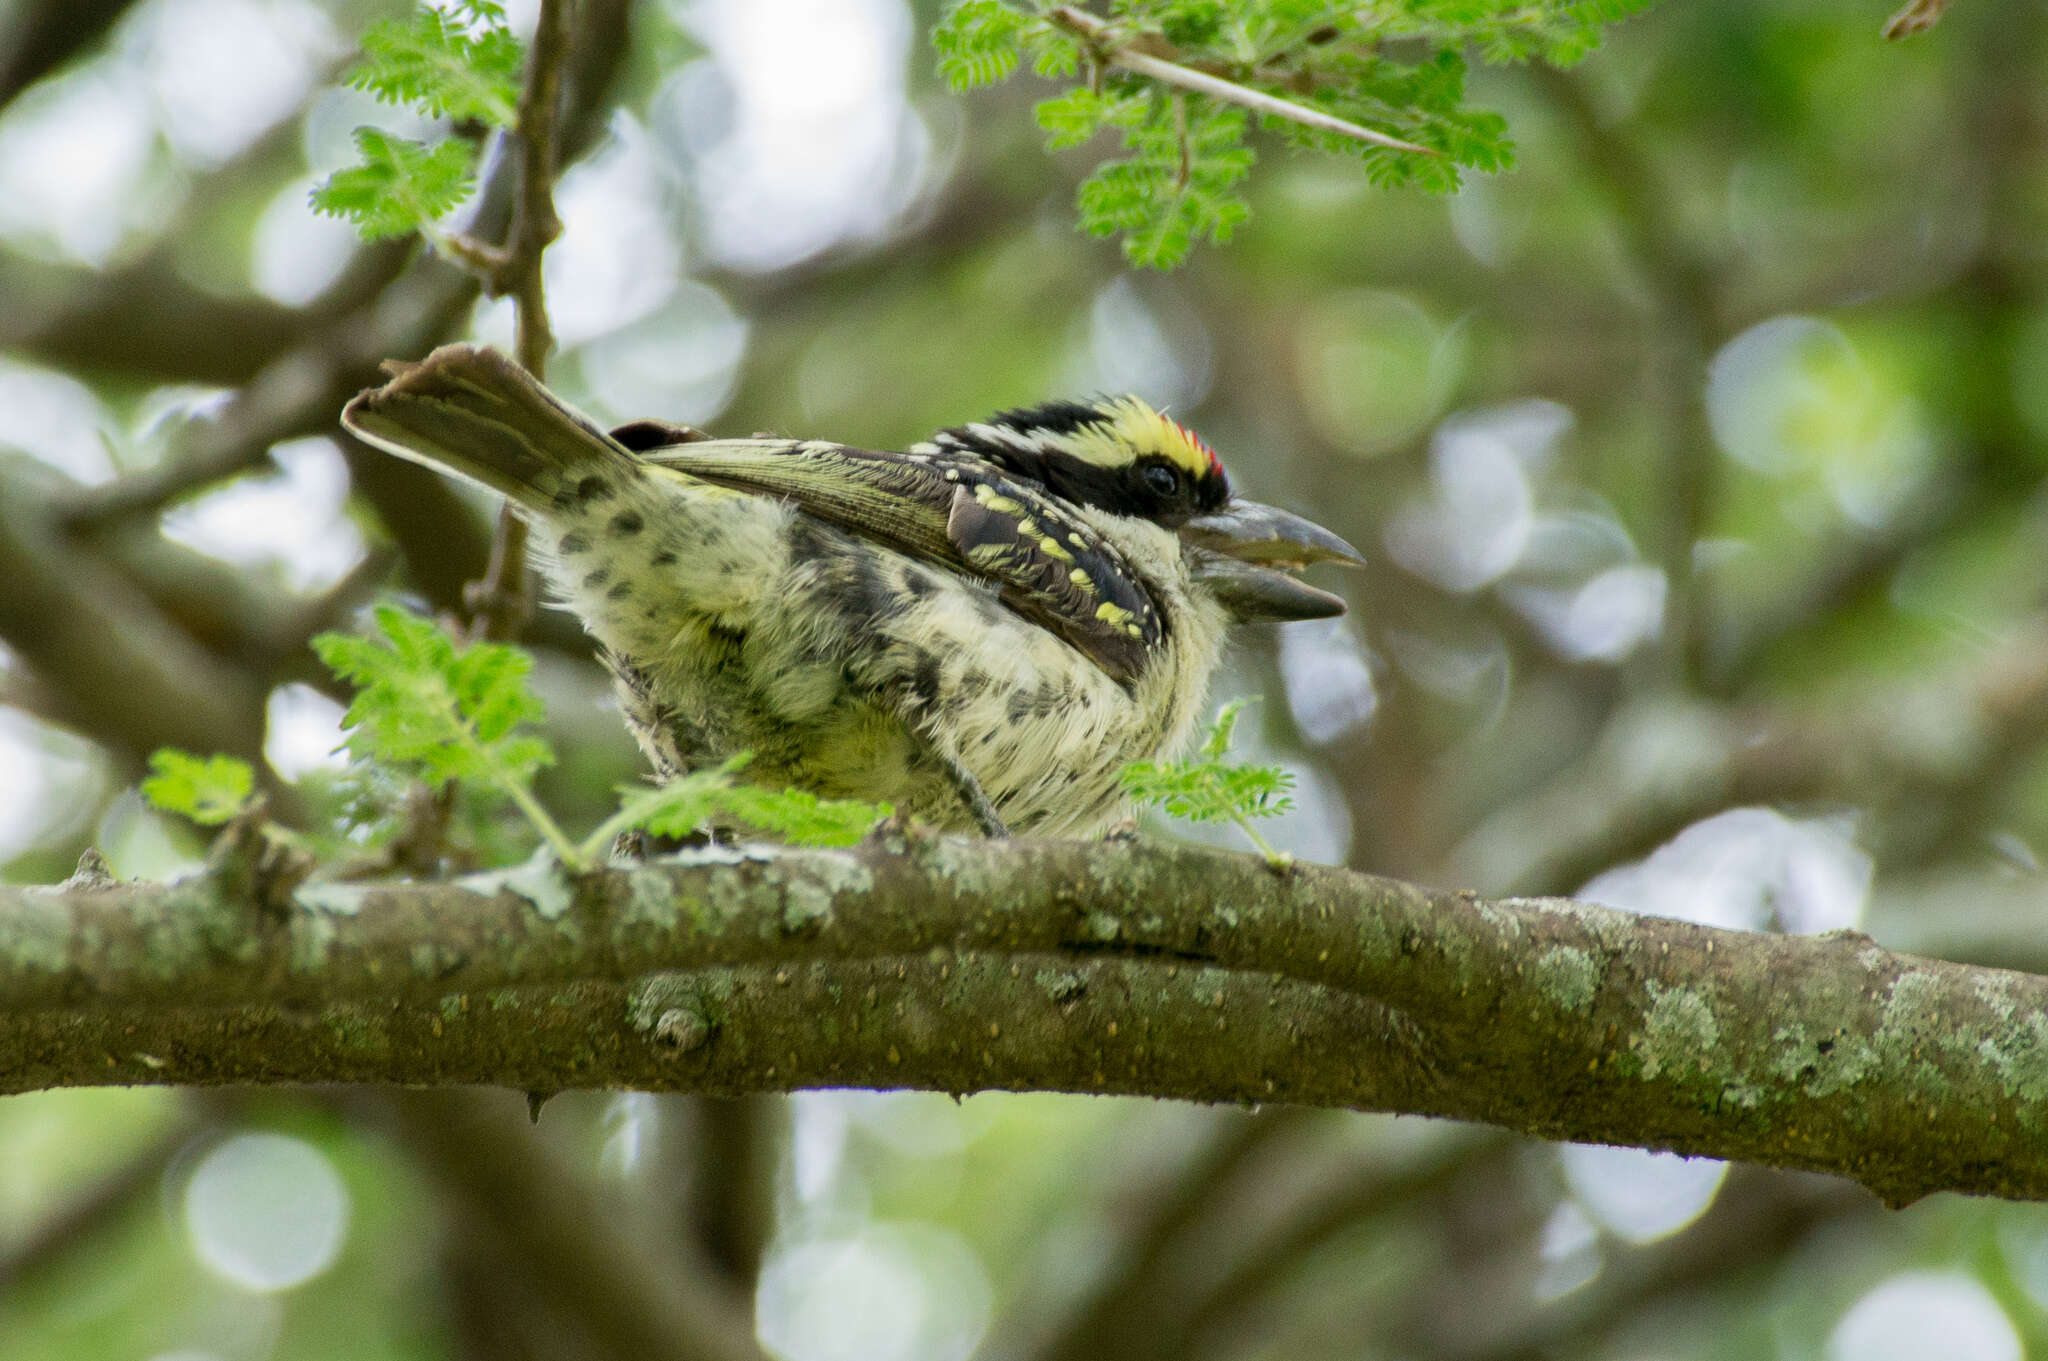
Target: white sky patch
[(327, 132), (620, 257), (1148, 341), (631, 1122), (680, 364), (1329, 682), (291, 520), (1472, 527), (1749, 869), (1569, 1252), (78, 169), (48, 779), (221, 72), (302, 731), (798, 127), (1638, 1195), (818, 1125), (1573, 572), (1919, 1314), (295, 252), (57, 419)]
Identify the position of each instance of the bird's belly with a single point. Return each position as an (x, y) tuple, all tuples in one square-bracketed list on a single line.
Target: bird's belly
[(855, 672), (851, 747)]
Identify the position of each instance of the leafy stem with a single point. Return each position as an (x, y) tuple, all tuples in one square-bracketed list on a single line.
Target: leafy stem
[(1209, 788), (1111, 50)]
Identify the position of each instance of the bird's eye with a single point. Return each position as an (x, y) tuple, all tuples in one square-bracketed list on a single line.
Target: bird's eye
[(1162, 479)]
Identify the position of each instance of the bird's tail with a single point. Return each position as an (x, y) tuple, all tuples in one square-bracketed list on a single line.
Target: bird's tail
[(469, 410)]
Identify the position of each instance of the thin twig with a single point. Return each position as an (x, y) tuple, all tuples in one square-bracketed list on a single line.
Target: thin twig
[(1132, 1297), (1093, 32), (502, 602)]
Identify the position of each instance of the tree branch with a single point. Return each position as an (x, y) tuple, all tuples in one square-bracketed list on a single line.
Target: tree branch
[(1097, 36), (1662, 764), (958, 965), (621, 1286), (503, 600), (36, 39)]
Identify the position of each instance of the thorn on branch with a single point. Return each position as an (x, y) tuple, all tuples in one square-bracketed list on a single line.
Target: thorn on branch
[(1917, 17), (93, 872)]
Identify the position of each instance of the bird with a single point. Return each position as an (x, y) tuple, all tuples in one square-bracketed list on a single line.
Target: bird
[(982, 629)]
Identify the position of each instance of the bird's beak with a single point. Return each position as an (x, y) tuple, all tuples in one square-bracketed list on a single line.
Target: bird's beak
[(1246, 555)]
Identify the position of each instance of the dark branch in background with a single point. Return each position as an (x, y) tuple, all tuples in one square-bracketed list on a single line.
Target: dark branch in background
[(958, 965), (731, 1205), (1664, 764), (1121, 1310), (136, 663), (37, 38), (502, 602), (146, 320), (1678, 337), (296, 394), (1264, 1266), (146, 682), (50, 1240), (1756, 1221), (635, 1295)]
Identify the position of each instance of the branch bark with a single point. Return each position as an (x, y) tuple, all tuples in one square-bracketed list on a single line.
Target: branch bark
[(959, 965)]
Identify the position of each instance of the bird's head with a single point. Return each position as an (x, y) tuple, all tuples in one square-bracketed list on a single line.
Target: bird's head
[(1122, 456)]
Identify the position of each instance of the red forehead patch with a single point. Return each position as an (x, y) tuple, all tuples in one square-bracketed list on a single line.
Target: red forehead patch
[(1215, 464)]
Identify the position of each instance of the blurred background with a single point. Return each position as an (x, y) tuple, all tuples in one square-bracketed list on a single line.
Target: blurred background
[(1702, 461)]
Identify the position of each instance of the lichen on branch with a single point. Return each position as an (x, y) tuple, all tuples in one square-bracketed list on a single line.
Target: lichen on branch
[(951, 964)]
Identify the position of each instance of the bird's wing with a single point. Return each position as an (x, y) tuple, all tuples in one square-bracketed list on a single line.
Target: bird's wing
[(1047, 564)]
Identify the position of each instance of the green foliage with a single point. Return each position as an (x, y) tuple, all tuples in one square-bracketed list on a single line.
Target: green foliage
[(441, 711), (1184, 153), (1178, 181), (457, 61), (979, 43), (1210, 788), (444, 712), (400, 186), (460, 63), (208, 790), (703, 797)]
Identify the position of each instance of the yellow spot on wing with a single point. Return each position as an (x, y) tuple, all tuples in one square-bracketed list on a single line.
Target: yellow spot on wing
[(1080, 577), (995, 500), (1110, 612)]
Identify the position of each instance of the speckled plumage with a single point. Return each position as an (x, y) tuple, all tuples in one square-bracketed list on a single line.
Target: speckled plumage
[(909, 620)]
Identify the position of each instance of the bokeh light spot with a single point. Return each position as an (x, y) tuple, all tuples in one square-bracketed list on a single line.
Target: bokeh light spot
[(1375, 368), (890, 1292), (1919, 1314), (266, 1211), (1638, 1195)]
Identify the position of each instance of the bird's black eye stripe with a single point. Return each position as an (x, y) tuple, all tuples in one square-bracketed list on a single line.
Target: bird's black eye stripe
[(1162, 479)]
